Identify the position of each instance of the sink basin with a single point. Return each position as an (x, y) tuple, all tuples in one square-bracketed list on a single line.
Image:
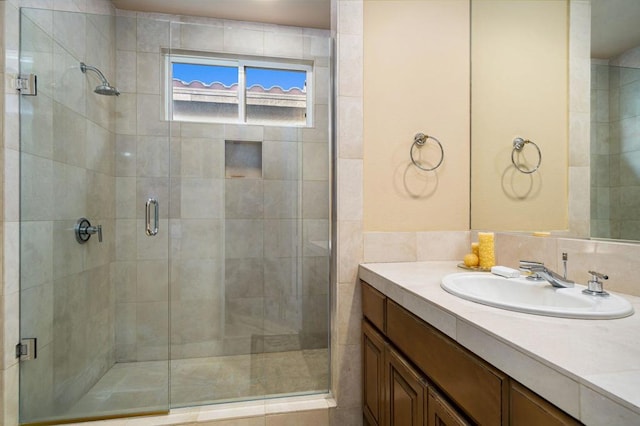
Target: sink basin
[(534, 297)]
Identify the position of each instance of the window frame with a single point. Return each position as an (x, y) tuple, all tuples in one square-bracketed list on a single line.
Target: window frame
[(241, 63)]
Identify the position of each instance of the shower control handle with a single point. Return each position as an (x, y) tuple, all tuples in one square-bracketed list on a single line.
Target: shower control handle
[(152, 230), (84, 230)]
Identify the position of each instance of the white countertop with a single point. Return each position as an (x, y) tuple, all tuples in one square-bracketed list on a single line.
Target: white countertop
[(588, 368)]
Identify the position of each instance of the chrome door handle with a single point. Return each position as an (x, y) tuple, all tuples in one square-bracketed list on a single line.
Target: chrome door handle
[(151, 231)]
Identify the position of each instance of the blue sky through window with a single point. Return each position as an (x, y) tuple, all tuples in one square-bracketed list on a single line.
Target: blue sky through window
[(268, 78), (265, 77), (205, 73)]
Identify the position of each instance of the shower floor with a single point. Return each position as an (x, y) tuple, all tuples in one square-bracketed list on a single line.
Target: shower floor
[(142, 386)]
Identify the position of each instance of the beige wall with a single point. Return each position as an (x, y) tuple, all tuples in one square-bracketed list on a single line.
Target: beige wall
[(416, 79), (519, 88)]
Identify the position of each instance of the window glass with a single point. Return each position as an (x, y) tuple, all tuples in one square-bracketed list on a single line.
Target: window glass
[(276, 96), (224, 90), (202, 92)]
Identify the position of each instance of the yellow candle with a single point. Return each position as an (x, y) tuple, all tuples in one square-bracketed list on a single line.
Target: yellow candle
[(486, 250), (475, 249)]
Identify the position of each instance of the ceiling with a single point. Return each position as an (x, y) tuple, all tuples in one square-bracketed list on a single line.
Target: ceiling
[(297, 13), (614, 30), (614, 27)]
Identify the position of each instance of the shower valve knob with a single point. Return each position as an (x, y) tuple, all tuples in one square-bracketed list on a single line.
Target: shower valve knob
[(84, 230)]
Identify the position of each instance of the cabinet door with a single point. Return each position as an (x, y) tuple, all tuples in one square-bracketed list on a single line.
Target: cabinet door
[(372, 375), (405, 390), (441, 413), (529, 409)]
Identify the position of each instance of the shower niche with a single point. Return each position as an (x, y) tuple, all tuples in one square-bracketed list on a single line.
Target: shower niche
[(243, 159)]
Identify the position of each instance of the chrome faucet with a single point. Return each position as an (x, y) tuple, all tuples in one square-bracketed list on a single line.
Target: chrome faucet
[(542, 271)]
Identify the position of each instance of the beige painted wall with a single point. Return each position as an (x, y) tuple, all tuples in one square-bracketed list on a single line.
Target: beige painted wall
[(416, 79), (519, 87)]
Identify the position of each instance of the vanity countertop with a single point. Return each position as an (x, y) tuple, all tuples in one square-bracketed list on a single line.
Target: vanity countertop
[(588, 368)]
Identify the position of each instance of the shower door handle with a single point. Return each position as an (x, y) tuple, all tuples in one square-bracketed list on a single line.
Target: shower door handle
[(152, 230)]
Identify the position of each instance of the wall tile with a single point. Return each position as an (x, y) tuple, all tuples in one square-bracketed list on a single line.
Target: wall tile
[(126, 33), (192, 239), (350, 129), (151, 34), (350, 60), (280, 160), (349, 250), (390, 247), (244, 198), (350, 197), (126, 113), (208, 38), (280, 199), (443, 245), (201, 198), (280, 237), (152, 283), (243, 238), (283, 45), (148, 73), (242, 40)]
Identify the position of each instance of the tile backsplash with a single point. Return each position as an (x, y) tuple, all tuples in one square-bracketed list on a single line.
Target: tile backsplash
[(618, 260)]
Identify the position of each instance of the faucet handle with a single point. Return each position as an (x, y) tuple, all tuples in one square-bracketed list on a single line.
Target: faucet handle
[(530, 265), (533, 268), (594, 285)]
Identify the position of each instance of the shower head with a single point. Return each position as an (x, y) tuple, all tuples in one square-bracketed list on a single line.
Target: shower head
[(104, 88)]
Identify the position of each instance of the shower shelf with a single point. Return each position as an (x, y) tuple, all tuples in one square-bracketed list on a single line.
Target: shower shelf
[(243, 159)]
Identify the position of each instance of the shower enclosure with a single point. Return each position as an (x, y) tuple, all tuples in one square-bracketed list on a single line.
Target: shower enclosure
[(170, 257)]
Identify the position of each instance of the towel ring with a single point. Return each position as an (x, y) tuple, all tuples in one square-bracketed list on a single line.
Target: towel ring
[(420, 139), (518, 145)]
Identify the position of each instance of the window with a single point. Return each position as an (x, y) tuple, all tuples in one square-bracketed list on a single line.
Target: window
[(221, 90)]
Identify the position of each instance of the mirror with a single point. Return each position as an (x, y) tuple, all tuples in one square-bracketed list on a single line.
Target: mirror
[(615, 119), (519, 89), (503, 199)]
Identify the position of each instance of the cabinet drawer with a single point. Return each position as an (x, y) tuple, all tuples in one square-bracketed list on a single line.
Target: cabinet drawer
[(373, 306), (529, 409), (473, 384)]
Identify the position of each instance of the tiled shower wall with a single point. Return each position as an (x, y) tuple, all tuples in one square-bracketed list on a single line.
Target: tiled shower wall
[(600, 152), (615, 148), (67, 172), (246, 274)]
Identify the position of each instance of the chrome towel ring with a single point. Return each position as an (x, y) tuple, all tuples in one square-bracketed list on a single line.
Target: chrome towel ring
[(518, 145), (420, 139)]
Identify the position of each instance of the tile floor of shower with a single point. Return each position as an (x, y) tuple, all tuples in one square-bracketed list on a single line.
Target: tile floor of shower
[(201, 381)]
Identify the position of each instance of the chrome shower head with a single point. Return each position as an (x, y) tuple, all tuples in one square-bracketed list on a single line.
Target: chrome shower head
[(103, 89)]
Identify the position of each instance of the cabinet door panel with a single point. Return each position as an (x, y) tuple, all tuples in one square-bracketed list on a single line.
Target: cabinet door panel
[(405, 392), (372, 374), (441, 413)]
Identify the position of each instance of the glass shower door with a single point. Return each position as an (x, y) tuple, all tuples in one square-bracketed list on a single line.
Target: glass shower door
[(93, 284)]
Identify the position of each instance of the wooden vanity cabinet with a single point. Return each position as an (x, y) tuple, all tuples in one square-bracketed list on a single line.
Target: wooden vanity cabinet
[(415, 375)]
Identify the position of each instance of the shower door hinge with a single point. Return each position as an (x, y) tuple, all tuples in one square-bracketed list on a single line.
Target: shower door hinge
[(26, 84), (27, 349)]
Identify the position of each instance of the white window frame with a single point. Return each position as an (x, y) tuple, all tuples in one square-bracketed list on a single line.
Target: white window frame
[(240, 63)]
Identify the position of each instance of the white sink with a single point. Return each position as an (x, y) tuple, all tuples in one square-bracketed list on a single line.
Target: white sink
[(534, 297)]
